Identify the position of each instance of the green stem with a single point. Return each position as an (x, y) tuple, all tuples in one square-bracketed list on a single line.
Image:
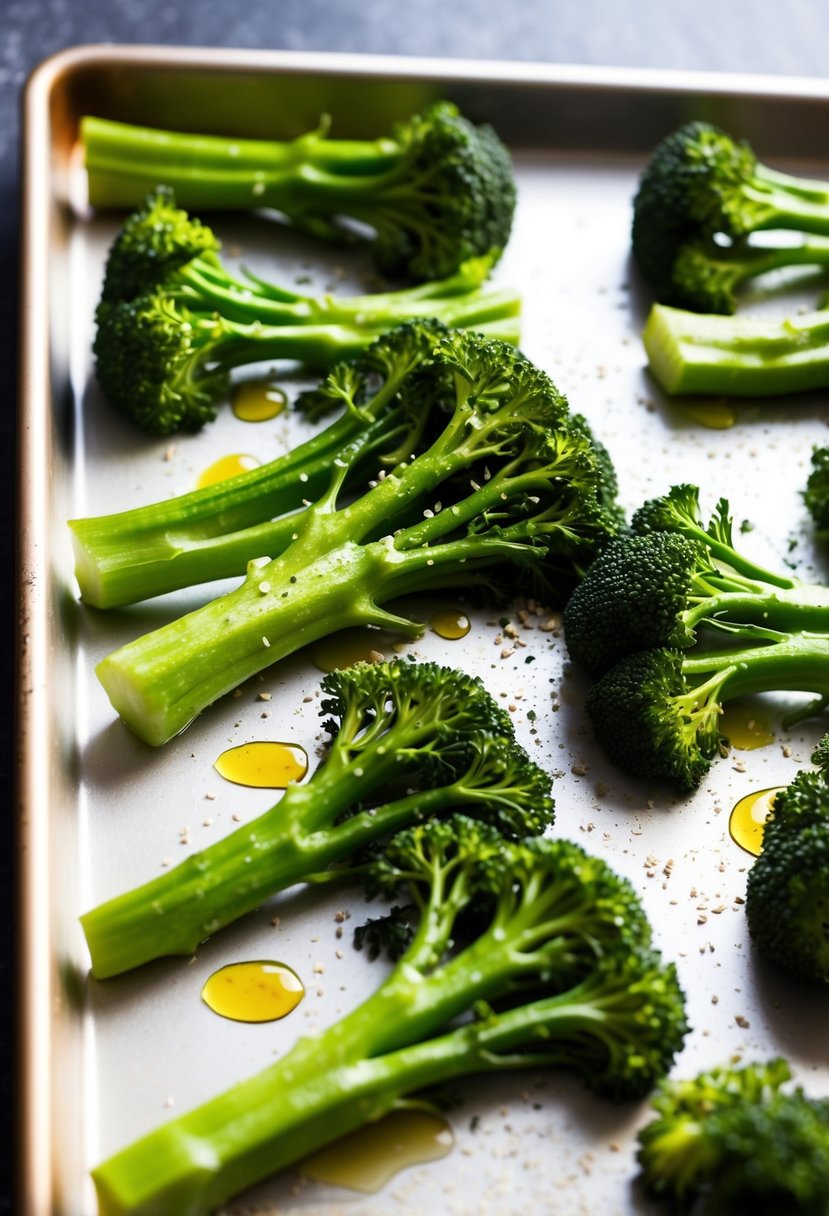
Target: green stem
[(160, 682), (737, 356), (461, 307), (213, 532), (787, 610), (789, 202), (260, 1126), (797, 663), (321, 1090), (751, 263), (298, 837), (125, 162)]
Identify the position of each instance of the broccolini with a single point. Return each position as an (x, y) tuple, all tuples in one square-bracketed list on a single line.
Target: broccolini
[(543, 945), (435, 192), (408, 741), (512, 480), (787, 896), (173, 322), (735, 1142), (702, 188)]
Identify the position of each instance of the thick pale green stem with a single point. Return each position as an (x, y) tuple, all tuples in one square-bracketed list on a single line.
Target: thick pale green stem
[(294, 840), (691, 353), (214, 532), (160, 682), (799, 203), (125, 162)]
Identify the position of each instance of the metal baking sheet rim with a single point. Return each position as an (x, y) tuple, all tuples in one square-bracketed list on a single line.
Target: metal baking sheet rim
[(36, 963)]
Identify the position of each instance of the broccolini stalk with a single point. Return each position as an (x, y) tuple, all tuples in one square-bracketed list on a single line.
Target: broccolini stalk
[(509, 481), (555, 933), (409, 741), (437, 191), (691, 353), (214, 532)]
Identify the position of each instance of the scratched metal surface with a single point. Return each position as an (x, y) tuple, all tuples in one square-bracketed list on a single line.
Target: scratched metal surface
[(127, 1054)]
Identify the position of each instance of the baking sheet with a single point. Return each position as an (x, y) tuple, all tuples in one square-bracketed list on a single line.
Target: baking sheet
[(105, 1062)]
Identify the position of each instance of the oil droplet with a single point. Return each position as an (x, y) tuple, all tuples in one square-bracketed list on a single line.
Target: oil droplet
[(263, 765), (450, 623), (715, 415), (366, 1159), (351, 646), (744, 727), (748, 818), (253, 992), (225, 467), (257, 401)]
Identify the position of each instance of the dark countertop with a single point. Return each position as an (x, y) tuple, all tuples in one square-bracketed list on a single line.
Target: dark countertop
[(763, 36)]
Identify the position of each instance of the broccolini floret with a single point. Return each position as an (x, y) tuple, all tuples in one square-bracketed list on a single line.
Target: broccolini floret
[(787, 896), (706, 276), (656, 713), (816, 495), (510, 482), (733, 1142), (407, 742), (435, 192), (173, 322), (665, 587), (654, 598), (701, 184), (529, 954), (213, 532)]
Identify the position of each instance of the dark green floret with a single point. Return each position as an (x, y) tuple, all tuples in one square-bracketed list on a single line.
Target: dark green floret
[(677, 580), (174, 323), (735, 1142), (701, 184), (663, 589), (816, 495), (787, 898), (706, 276), (407, 741), (436, 191), (508, 483), (517, 955), (656, 713)]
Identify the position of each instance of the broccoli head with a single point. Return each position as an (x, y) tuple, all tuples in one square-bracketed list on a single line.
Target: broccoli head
[(656, 713), (699, 184), (675, 577), (733, 1142), (816, 495), (787, 896)]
